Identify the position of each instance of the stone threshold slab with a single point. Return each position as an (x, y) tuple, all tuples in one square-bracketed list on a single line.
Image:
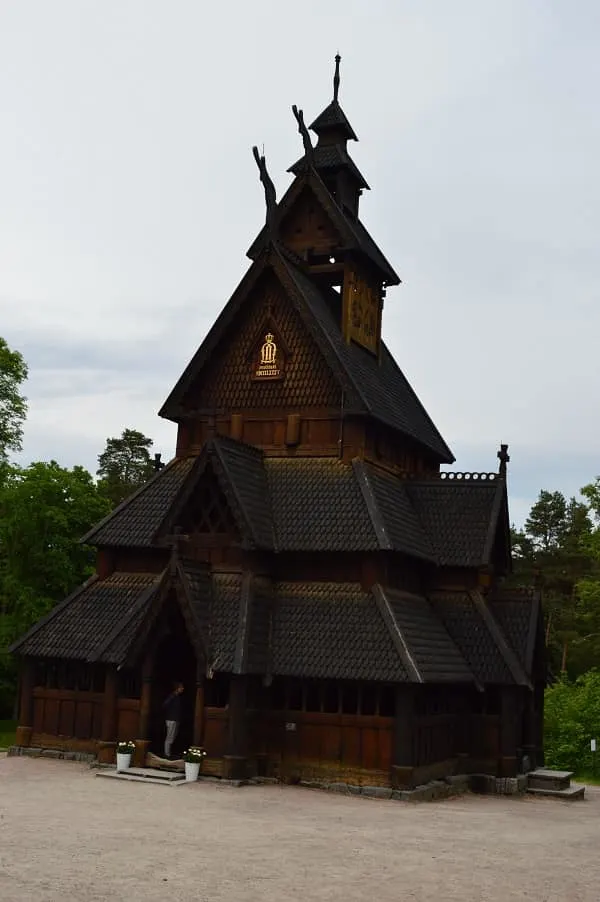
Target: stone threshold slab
[(171, 780)]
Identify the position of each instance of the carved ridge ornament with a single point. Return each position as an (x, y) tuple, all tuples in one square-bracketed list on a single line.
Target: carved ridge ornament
[(362, 311), (269, 362)]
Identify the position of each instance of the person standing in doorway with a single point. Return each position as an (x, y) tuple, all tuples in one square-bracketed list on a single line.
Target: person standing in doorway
[(172, 708)]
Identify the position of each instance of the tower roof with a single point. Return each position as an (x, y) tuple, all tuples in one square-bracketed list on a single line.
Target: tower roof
[(333, 118)]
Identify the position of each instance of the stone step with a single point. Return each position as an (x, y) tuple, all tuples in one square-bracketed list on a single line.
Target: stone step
[(132, 778), (570, 794), (149, 774), (544, 778)]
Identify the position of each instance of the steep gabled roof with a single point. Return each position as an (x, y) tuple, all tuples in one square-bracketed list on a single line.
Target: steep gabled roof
[(374, 386), (460, 514), (352, 232), (379, 384), (82, 626)]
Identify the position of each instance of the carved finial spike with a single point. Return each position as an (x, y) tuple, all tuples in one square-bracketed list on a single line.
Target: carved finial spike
[(270, 194), (308, 148), (504, 459), (336, 77)]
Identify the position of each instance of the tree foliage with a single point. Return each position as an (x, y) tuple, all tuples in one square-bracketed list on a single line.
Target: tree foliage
[(13, 406), (572, 719), (44, 511), (124, 465), (556, 547)]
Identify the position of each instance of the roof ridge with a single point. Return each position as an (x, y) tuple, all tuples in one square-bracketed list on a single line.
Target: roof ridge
[(137, 605), (323, 333), (399, 640), (377, 520), (500, 640), (494, 519), (415, 396), (229, 486)]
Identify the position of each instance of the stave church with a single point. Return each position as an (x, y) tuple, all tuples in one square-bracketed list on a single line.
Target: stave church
[(333, 601)]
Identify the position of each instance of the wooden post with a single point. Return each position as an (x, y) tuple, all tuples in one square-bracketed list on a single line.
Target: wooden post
[(25, 728), (539, 723), (109, 706), (404, 735), (508, 764), (529, 728), (235, 763), (199, 707), (146, 699)]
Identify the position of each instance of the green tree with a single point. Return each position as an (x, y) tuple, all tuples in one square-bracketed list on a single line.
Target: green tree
[(124, 465), (571, 719), (13, 406), (555, 545), (44, 511), (546, 521)]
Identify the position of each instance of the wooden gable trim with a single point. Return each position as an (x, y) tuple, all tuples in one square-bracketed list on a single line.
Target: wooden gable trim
[(141, 602), (211, 454), (155, 607)]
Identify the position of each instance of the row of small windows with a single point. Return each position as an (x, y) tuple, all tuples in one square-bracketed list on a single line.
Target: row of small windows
[(330, 697), (71, 675)]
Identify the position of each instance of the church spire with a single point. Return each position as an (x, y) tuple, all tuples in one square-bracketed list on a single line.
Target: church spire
[(332, 126), (336, 78)]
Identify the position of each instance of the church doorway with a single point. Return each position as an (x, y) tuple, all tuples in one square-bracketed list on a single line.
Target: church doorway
[(174, 661)]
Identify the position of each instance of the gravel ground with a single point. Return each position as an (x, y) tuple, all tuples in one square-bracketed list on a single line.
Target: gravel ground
[(67, 835)]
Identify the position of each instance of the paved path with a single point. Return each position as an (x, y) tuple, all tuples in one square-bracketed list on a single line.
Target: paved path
[(66, 835)]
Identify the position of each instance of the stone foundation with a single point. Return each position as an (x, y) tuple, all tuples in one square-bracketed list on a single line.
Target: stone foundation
[(33, 752)]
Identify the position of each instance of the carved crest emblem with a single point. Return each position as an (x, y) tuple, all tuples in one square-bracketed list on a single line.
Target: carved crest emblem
[(269, 364)]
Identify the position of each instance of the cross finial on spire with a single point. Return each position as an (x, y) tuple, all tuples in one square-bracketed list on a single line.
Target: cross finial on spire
[(503, 458), (336, 77)]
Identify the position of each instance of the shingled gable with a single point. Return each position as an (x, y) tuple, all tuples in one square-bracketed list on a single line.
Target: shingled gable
[(372, 386), (241, 476), (353, 234)]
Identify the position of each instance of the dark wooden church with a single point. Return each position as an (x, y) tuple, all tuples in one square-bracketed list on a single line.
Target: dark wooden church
[(330, 598)]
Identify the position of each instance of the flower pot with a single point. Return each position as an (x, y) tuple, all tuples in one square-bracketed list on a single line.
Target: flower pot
[(192, 771), (123, 762)]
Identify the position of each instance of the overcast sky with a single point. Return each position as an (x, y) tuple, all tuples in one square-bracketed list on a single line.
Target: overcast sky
[(128, 197)]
